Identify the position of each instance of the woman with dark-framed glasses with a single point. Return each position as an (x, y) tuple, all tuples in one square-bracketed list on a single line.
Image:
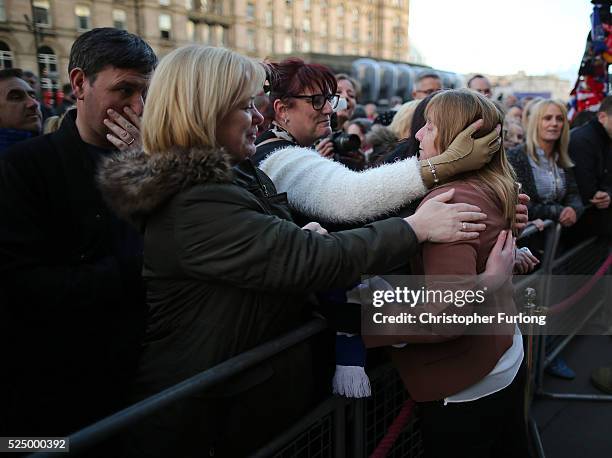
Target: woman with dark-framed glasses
[(302, 99)]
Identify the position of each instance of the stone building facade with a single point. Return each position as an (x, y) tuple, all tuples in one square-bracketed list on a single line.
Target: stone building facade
[(37, 34)]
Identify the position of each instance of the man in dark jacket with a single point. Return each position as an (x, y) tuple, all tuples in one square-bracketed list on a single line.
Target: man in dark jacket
[(590, 151), (72, 303)]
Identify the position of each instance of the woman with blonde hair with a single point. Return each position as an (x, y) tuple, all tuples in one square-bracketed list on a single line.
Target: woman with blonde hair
[(545, 171), (402, 120), (226, 269), (469, 386), (543, 165)]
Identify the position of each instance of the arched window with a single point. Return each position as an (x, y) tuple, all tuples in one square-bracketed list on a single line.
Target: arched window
[(6, 56), (47, 60), (49, 78)]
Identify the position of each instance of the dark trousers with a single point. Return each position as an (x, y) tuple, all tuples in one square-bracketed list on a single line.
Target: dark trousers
[(493, 426)]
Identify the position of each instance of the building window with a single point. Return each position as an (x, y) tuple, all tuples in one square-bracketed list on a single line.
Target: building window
[(205, 33), (269, 18), (288, 22), (324, 28), (340, 10), (221, 35), (2, 11), (6, 56), (165, 26), (119, 19), (340, 30), (288, 45), (190, 29), (215, 35), (306, 25), (164, 2), (250, 11), (306, 46), (355, 33), (41, 13), (47, 60), (83, 15), (306, 5), (251, 40), (189, 4), (270, 43), (216, 7)]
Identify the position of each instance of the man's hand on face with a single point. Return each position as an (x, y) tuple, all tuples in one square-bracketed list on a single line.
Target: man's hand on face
[(601, 200), (125, 129)]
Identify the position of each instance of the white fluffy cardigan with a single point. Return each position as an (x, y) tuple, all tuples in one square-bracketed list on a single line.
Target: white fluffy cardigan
[(327, 190)]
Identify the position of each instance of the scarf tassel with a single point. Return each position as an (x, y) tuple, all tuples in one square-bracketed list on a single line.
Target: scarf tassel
[(352, 382)]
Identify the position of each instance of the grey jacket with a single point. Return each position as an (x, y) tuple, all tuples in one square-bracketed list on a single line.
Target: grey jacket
[(538, 208)]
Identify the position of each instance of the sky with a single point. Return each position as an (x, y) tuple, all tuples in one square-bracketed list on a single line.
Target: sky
[(501, 37)]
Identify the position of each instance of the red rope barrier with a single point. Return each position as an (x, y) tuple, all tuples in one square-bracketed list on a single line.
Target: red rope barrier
[(571, 300), (402, 418), (394, 430)]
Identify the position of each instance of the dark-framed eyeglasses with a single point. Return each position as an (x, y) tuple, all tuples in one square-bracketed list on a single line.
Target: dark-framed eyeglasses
[(318, 100)]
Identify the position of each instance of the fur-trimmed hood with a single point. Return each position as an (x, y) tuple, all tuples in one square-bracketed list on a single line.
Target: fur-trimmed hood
[(135, 184)]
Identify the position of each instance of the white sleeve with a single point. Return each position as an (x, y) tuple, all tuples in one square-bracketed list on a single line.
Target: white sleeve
[(324, 189)]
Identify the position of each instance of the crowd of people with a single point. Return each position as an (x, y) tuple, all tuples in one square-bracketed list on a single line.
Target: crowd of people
[(143, 243)]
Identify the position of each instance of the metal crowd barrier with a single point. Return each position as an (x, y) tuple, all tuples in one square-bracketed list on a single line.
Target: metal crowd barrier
[(584, 259), (340, 427), (576, 264)]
